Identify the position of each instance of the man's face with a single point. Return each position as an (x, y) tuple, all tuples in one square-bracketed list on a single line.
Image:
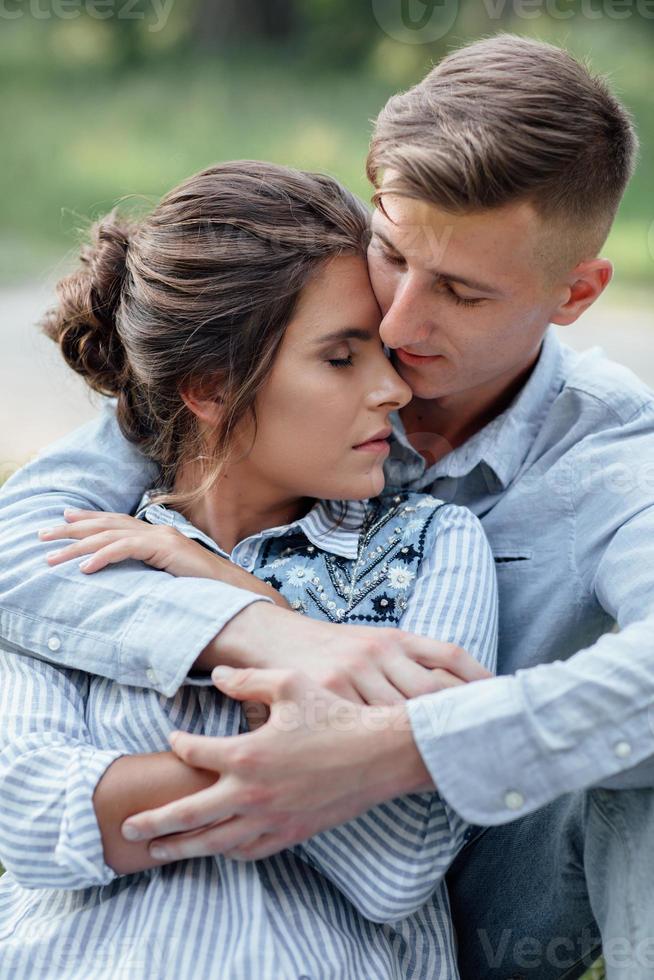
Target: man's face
[(465, 300)]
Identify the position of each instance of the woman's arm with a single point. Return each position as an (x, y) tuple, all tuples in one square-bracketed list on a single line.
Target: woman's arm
[(105, 539), (134, 783), (63, 800)]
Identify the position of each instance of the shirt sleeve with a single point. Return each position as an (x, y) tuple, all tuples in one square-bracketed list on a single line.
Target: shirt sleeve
[(510, 745), (130, 623), (49, 834), (388, 861)]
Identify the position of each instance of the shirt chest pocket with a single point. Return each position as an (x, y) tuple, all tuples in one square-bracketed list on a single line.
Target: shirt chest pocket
[(509, 555)]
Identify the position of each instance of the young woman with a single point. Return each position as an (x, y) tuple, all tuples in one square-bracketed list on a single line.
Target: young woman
[(237, 329)]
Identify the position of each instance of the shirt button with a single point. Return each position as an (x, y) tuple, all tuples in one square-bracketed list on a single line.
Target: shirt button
[(622, 750), (54, 643), (514, 800), (151, 675)]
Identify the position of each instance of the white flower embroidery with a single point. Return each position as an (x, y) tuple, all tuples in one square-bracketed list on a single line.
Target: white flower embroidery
[(400, 577), (298, 577), (414, 525), (278, 562), (427, 501)]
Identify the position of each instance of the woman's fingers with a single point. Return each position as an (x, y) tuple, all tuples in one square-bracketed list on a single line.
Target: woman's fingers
[(447, 656), (112, 554), (84, 528), (87, 546)]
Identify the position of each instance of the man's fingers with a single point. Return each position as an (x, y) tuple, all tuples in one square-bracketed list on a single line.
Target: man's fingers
[(442, 679), (239, 832), (449, 657), (197, 811), (374, 688), (411, 678), (260, 684), (261, 847), (205, 751)]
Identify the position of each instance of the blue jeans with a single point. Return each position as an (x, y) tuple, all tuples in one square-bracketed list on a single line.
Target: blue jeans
[(542, 897)]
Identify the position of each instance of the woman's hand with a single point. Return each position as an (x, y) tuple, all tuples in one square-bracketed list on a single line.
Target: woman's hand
[(111, 538)]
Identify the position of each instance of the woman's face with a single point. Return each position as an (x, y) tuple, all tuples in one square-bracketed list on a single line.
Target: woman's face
[(323, 413)]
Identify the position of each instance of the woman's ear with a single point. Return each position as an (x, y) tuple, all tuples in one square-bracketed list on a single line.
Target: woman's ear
[(206, 409), (587, 282)]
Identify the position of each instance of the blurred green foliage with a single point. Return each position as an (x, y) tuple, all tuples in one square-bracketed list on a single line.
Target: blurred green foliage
[(97, 109)]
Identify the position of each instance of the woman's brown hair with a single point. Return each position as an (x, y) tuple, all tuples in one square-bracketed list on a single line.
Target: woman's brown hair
[(196, 297)]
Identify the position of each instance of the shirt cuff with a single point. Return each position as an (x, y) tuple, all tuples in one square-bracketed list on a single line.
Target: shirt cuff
[(172, 628), (497, 752), (79, 847)]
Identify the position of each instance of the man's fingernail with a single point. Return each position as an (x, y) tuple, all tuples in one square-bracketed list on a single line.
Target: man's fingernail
[(222, 673), (131, 833), (158, 853)]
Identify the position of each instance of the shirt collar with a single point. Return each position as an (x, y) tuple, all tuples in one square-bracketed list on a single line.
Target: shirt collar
[(503, 444), (334, 529)]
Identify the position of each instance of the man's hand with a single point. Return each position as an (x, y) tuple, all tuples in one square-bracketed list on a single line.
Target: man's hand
[(317, 762), (363, 664)]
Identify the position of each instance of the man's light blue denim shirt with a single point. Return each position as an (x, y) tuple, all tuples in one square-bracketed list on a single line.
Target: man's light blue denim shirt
[(563, 482)]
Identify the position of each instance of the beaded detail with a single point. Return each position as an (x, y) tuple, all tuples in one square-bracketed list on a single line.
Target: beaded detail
[(373, 587)]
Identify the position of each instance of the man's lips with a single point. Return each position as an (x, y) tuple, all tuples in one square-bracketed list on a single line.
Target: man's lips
[(415, 360)]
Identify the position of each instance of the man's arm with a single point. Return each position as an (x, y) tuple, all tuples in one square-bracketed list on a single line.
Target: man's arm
[(326, 767), (129, 623), (515, 743)]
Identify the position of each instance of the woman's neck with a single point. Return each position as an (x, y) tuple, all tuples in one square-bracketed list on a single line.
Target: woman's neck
[(238, 505)]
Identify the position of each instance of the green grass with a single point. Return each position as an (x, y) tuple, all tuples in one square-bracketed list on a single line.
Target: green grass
[(81, 138)]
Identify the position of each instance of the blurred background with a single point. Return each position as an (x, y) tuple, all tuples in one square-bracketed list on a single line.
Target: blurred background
[(106, 100)]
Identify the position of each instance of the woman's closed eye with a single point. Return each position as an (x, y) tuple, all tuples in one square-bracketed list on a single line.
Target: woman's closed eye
[(340, 362)]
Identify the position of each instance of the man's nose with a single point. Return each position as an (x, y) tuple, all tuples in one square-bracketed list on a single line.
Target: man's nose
[(404, 324)]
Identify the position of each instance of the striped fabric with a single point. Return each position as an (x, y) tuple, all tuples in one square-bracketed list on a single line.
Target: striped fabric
[(364, 900)]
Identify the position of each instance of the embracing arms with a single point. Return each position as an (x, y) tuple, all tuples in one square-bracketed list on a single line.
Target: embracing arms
[(140, 626)]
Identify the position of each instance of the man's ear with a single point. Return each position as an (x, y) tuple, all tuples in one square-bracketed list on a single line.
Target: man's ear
[(587, 281), (207, 410)]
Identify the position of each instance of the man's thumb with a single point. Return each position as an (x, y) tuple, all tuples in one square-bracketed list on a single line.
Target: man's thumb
[(256, 684)]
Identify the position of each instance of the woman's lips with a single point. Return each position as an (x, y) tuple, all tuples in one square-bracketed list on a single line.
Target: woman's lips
[(416, 360), (374, 446)]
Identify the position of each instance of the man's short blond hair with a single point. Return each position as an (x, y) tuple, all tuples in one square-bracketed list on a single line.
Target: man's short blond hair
[(505, 120)]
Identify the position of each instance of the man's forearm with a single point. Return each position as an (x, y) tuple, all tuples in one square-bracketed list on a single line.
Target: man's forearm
[(135, 783), (242, 642)]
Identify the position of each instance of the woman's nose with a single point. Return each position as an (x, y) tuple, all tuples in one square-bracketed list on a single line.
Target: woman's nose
[(392, 391)]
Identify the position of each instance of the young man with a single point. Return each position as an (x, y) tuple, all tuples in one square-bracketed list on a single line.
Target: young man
[(497, 179)]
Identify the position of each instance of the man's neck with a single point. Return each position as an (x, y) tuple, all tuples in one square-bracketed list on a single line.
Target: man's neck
[(437, 426)]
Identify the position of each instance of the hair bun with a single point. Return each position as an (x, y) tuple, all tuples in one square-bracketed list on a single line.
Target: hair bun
[(84, 321)]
